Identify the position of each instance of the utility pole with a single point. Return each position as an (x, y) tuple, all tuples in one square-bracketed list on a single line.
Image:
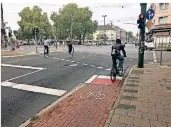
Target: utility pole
[(2, 25), (104, 16), (36, 40), (142, 37), (71, 29)]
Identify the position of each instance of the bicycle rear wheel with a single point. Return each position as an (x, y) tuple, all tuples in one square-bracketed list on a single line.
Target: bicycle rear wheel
[(113, 74)]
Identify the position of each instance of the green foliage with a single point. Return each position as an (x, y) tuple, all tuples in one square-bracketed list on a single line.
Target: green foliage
[(99, 36), (89, 36), (80, 18), (70, 14), (31, 18)]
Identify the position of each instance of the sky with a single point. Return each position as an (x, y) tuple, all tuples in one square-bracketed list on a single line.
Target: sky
[(114, 12)]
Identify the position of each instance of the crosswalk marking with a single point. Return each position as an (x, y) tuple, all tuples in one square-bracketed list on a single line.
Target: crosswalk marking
[(20, 66), (32, 88)]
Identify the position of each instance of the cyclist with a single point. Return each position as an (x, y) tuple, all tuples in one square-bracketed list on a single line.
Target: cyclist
[(70, 48), (115, 53), (46, 46)]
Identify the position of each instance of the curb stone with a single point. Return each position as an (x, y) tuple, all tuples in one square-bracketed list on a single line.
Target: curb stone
[(121, 84)]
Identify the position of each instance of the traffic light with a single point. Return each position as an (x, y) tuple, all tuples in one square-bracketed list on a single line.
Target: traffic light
[(140, 22)]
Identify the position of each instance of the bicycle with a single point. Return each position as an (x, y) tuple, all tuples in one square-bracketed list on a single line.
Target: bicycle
[(115, 70)]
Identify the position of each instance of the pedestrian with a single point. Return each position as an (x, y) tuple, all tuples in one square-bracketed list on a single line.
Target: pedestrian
[(46, 46), (12, 41), (70, 47)]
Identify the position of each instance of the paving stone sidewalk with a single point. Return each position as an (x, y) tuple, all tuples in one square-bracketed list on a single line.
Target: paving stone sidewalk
[(145, 99)]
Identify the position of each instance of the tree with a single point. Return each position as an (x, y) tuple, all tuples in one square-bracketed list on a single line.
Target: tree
[(99, 36), (89, 36), (31, 18), (79, 18)]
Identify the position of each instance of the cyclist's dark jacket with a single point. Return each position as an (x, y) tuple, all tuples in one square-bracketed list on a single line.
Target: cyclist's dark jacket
[(70, 47), (117, 48)]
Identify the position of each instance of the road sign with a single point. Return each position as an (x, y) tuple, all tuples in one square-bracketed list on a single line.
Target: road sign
[(149, 24), (150, 14)]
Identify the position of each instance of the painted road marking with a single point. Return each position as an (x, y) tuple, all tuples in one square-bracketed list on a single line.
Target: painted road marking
[(85, 64), (92, 66), (100, 67), (20, 66), (23, 75), (108, 69), (108, 77), (91, 79), (32, 88), (73, 65)]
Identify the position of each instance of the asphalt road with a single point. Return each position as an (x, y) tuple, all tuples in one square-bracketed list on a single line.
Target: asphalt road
[(62, 73)]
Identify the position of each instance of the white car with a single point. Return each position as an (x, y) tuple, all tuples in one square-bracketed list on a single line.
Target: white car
[(149, 45)]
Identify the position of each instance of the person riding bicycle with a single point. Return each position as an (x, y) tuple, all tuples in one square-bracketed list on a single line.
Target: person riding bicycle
[(70, 48), (115, 53)]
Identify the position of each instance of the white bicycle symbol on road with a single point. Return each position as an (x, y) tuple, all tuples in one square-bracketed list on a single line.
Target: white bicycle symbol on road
[(96, 95)]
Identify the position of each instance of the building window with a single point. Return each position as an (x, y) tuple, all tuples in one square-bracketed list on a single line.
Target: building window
[(163, 20), (164, 6)]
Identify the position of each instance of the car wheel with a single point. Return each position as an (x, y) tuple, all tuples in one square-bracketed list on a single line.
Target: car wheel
[(146, 48)]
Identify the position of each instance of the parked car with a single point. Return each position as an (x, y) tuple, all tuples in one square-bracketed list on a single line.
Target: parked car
[(149, 45)]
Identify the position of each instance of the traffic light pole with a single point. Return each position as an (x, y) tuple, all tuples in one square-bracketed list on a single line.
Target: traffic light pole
[(36, 40), (142, 38)]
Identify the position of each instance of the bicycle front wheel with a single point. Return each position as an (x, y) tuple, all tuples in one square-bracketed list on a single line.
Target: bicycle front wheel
[(113, 74)]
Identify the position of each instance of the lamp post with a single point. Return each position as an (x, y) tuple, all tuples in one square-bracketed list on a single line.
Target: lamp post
[(104, 16)]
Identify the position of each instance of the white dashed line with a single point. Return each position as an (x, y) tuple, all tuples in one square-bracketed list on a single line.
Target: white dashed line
[(62, 59), (100, 67), (85, 64), (73, 65), (108, 69), (92, 66), (72, 61), (56, 58)]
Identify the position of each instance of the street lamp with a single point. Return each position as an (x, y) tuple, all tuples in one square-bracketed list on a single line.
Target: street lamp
[(104, 16)]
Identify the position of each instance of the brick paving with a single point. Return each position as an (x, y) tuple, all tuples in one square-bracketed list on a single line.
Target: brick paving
[(152, 101), (89, 106)]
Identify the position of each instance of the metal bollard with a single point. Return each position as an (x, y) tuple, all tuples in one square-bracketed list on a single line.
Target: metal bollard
[(161, 57)]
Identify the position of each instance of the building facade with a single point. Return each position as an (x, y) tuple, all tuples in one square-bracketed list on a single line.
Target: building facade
[(161, 29), (108, 31), (162, 13)]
